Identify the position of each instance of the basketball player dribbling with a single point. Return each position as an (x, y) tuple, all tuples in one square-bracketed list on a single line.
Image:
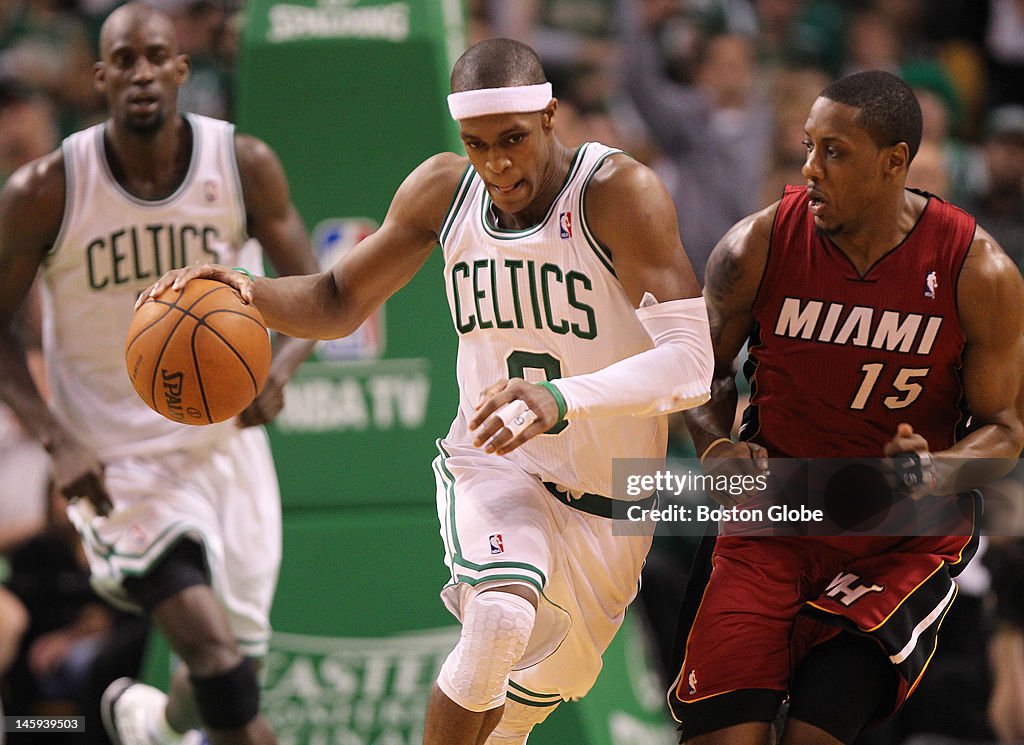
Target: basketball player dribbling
[(564, 267), (179, 522)]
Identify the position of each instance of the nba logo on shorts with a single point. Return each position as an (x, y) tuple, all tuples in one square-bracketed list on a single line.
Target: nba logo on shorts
[(497, 546), (565, 225)]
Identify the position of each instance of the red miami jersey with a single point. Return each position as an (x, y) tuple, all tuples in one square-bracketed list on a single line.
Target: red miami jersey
[(836, 359)]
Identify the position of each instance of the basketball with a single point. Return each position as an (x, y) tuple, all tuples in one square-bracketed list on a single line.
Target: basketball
[(198, 356)]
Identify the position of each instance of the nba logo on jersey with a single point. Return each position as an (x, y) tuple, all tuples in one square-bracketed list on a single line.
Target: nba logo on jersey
[(210, 190), (931, 284), (691, 681), (497, 546), (565, 225), (138, 534)]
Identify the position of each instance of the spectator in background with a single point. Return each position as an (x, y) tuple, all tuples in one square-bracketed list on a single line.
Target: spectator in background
[(1004, 46), (47, 48), (996, 181), (200, 26), (575, 40), (800, 33), (715, 128), (885, 36), (28, 126), (478, 21), (793, 93), (872, 43), (951, 33), (576, 126), (942, 110), (929, 171)]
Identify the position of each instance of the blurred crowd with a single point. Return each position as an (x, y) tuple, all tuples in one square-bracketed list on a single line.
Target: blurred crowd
[(711, 93), (714, 93)]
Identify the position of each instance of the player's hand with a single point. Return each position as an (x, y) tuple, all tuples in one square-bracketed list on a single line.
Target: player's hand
[(510, 413), (734, 460), (911, 462), (266, 406), (178, 278), (78, 474)]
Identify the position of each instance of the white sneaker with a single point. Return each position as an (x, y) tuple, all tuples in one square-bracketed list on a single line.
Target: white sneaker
[(133, 712)]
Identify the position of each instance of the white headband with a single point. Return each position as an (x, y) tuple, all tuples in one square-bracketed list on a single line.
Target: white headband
[(511, 100)]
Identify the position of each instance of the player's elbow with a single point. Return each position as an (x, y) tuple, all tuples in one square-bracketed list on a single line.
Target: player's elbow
[(340, 314)]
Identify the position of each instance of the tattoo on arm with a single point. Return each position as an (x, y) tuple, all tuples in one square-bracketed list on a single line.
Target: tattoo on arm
[(724, 274)]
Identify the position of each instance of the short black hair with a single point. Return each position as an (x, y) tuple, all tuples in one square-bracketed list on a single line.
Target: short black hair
[(889, 110), (496, 63)]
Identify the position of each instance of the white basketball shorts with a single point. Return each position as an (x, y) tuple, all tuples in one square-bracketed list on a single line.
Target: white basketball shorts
[(224, 496), (500, 525)]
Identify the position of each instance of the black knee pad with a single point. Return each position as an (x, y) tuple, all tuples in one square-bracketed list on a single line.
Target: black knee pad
[(182, 567), (843, 685), (230, 699)]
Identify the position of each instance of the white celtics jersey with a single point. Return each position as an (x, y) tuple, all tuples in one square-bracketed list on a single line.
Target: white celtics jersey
[(110, 247), (544, 303)]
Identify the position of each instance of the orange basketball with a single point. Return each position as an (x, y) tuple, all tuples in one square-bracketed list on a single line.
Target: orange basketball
[(199, 356)]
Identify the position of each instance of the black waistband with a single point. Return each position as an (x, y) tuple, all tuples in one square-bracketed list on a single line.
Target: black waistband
[(595, 504)]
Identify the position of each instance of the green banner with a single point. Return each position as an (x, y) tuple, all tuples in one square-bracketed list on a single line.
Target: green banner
[(351, 95), (374, 691), (354, 691)]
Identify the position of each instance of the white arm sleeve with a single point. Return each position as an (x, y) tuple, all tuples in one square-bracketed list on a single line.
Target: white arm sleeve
[(675, 375)]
